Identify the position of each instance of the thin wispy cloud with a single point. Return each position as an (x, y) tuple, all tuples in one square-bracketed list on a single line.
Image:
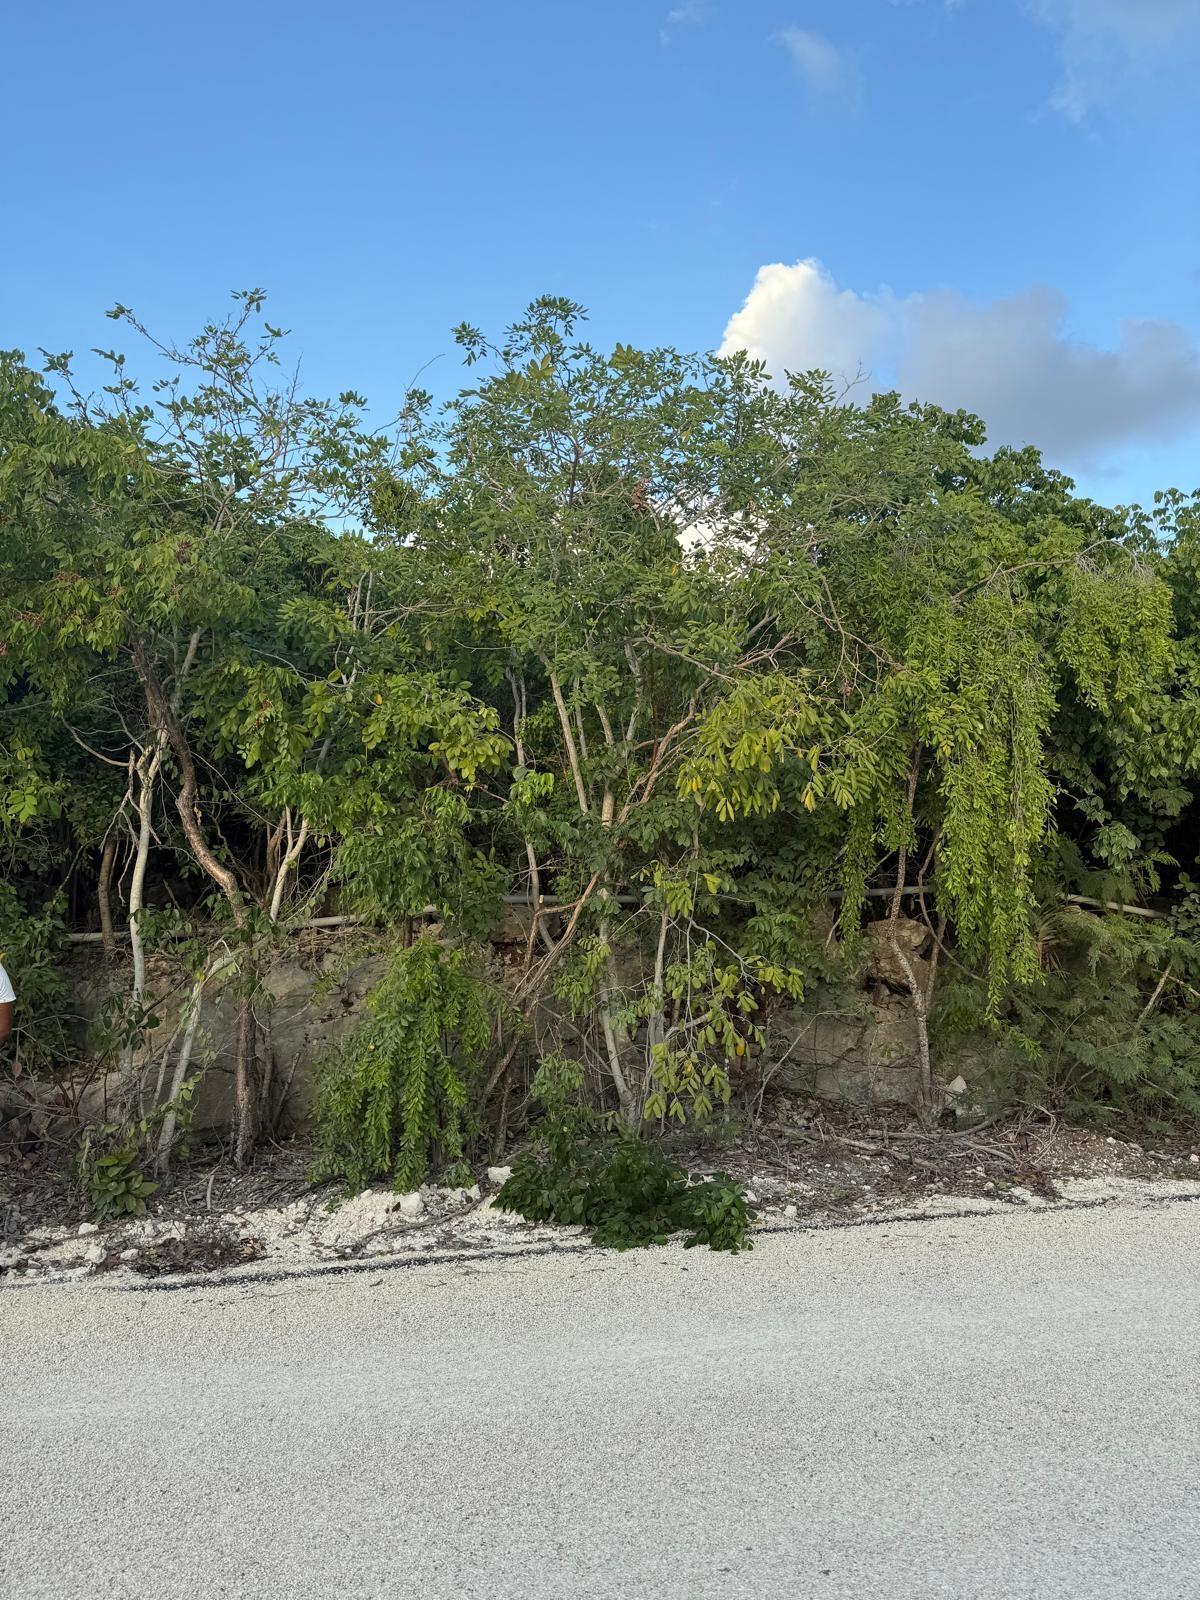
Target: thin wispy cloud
[(1106, 48), (691, 14), (1102, 44), (1013, 361), (826, 70)]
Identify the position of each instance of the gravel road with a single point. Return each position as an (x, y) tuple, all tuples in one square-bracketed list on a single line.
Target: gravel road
[(998, 1407)]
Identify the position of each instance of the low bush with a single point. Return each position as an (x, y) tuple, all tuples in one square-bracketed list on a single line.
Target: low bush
[(620, 1186), (113, 1183)]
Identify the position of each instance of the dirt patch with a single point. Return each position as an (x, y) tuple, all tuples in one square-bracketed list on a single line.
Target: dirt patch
[(39, 1188), (821, 1159), (204, 1248)]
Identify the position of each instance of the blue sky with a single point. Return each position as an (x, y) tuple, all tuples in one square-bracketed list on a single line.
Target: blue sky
[(989, 202)]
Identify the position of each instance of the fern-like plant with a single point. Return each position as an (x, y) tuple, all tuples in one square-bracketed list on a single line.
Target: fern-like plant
[(396, 1098)]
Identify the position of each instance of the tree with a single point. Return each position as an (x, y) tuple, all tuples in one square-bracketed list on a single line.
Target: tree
[(174, 596), (671, 651)]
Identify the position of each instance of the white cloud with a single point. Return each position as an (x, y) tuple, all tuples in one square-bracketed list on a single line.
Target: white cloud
[(825, 69), (1101, 42), (1011, 361), (796, 317), (690, 14)]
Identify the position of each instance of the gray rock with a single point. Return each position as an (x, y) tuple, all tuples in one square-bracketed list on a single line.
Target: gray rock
[(95, 1253), (410, 1206), (885, 964), (88, 1227), (499, 1175)]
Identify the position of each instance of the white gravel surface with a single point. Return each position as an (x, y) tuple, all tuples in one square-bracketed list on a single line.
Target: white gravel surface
[(318, 1228), (999, 1406)]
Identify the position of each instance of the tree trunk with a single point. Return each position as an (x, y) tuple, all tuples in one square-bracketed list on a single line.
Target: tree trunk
[(919, 999), (656, 1027), (246, 1083), (165, 721), (615, 1035), (104, 894), (143, 771), (166, 1133)]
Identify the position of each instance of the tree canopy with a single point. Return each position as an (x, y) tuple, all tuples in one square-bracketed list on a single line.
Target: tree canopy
[(673, 650)]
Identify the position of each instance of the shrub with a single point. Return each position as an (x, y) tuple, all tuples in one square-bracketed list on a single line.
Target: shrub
[(397, 1096), (109, 1160), (620, 1186), (114, 1184), (1111, 1030)]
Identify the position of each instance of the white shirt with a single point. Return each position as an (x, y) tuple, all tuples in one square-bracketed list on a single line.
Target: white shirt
[(7, 995)]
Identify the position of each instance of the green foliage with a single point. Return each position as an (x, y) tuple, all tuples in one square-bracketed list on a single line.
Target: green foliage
[(1113, 1028), (30, 942), (625, 1190), (620, 1186), (114, 1185), (716, 1006), (475, 658), (110, 1163), (396, 1098)]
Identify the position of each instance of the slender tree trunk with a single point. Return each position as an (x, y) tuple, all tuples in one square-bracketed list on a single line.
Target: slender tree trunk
[(267, 1080), (564, 720), (919, 998), (143, 779), (537, 927), (295, 848), (166, 1132), (164, 719), (615, 1036), (108, 857), (612, 1048), (183, 1060), (165, 722), (656, 1025), (246, 1082)]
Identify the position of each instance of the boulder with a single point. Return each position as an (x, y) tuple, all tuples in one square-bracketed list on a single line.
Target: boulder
[(885, 965), (863, 1054)]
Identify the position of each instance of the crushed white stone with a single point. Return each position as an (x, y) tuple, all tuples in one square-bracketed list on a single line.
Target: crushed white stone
[(380, 1223)]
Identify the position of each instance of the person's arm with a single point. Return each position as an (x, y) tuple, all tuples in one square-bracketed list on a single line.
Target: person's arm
[(7, 1000)]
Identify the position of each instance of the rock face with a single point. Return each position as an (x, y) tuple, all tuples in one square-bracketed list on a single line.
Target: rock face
[(862, 1049), (865, 1056), (312, 1000)]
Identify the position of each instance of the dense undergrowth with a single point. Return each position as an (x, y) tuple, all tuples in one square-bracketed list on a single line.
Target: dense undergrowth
[(581, 1172), (696, 674)]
